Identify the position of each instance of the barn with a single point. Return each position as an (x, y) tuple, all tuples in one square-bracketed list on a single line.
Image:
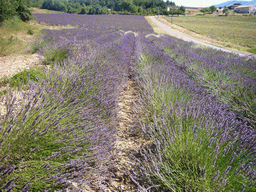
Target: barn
[(246, 9)]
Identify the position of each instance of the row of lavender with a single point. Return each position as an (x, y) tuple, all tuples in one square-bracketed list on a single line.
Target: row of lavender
[(98, 22), (60, 133), (198, 143), (231, 77)]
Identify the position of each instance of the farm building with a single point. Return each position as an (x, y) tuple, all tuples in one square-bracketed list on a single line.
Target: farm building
[(246, 9)]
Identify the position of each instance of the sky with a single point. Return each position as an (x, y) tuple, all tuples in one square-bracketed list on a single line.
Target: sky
[(198, 3)]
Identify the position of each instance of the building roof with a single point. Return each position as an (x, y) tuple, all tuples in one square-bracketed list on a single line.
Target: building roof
[(244, 6)]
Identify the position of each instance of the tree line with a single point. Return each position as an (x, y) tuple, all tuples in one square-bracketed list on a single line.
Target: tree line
[(10, 8), (138, 7)]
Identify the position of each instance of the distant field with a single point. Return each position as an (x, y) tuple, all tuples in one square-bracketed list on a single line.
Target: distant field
[(235, 29)]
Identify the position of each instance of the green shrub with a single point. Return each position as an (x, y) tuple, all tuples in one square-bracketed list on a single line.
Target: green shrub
[(30, 32), (10, 8), (23, 12)]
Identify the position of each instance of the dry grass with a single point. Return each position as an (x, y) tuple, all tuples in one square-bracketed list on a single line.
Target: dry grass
[(193, 11), (37, 10)]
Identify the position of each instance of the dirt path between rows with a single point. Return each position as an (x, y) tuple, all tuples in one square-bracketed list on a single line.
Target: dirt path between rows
[(128, 138), (165, 26)]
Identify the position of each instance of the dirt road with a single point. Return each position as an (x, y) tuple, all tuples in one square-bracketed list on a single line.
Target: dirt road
[(185, 37)]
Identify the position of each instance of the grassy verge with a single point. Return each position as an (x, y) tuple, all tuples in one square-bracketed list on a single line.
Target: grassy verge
[(16, 35)]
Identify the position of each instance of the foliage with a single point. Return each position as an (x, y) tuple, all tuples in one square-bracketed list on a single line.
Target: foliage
[(252, 50), (22, 77), (7, 9), (213, 8), (10, 8), (226, 11), (205, 10), (142, 7), (55, 55)]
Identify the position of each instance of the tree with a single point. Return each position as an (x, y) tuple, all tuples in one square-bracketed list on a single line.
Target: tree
[(170, 3), (213, 8), (182, 9), (204, 10), (23, 11), (226, 11), (47, 4)]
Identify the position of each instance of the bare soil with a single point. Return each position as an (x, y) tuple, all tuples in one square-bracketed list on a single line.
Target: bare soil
[(12, 64), (128, 139)]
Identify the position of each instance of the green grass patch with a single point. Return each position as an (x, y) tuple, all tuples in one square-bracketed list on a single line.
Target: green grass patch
[(252, 50), (55, 55), (34, 74)]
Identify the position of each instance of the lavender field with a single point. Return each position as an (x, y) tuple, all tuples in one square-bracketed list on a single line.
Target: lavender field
[(196, 109)]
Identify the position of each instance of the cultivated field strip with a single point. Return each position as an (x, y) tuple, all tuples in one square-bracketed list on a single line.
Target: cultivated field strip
[(235, 29), (123, 109)]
